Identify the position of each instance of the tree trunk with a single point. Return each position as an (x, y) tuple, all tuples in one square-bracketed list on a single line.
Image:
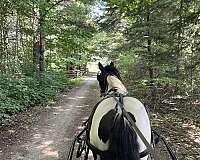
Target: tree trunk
[(179, 46), (41, 52), (150, 62)]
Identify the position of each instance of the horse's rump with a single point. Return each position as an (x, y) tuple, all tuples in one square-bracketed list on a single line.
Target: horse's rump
[(103, 116)]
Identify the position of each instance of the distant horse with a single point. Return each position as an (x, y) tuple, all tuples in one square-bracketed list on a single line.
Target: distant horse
[(110, 135)]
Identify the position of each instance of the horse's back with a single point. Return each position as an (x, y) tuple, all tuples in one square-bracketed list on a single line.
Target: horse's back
[(131, 105)]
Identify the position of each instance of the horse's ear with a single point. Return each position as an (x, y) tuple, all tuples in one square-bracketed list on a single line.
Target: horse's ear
[(100, 66), (112, 64)]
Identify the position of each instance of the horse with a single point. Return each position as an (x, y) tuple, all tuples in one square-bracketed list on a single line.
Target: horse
[(110, 135)]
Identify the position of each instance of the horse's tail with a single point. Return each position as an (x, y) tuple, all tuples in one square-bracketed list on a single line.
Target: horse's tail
[(123, 142)]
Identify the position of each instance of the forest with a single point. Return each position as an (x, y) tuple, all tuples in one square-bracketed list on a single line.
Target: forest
[(154, 43)]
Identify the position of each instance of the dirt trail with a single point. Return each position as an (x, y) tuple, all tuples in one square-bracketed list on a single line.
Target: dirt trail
[(46, 134)]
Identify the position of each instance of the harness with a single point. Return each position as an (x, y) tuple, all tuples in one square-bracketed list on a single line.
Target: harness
[(119, 103), (84, 142)]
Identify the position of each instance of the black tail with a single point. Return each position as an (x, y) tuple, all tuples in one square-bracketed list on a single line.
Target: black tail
[(123, 142)]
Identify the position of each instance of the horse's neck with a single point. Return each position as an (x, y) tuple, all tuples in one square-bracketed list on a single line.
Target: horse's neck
[(116, 83)]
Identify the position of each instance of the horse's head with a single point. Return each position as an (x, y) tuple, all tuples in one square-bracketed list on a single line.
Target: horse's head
[(106, 71)]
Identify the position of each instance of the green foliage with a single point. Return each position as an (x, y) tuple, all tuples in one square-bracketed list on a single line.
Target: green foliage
[(62, 29), (65, 28), (126, 65), (19, 93), (160, 45), (69, 31)]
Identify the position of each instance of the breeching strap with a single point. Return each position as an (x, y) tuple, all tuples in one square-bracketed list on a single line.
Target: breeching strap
[(136, 129)]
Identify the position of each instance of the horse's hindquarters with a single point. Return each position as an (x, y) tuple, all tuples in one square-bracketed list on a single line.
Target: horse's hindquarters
[(103, 119)]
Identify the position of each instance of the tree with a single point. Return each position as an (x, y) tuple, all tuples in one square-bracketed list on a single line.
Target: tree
[(36, 33), (157, 35)]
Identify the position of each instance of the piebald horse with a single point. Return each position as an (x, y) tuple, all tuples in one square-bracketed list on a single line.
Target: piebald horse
[(110, 133)]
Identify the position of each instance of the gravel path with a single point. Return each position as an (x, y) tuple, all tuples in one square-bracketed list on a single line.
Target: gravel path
[(46, 133)]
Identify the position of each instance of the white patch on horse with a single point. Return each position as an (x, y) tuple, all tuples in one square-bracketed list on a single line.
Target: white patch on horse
[(103, 108), (114, 82)]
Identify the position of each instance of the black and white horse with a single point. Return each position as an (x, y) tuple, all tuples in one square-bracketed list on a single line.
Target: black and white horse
[(114, 136)]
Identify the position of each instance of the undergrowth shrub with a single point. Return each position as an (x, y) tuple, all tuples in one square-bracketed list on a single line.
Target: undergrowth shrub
[(19, 93), (165, 84)]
